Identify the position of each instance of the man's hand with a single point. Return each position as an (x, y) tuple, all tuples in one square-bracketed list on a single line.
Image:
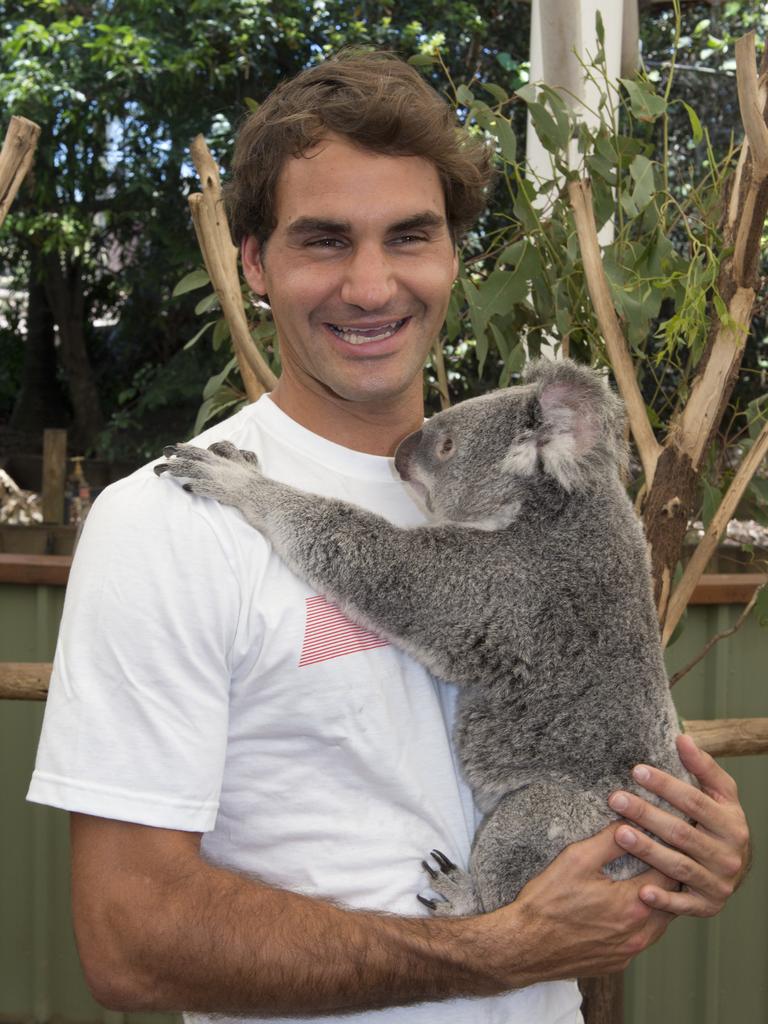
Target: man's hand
[(708, 859), (576, 922)]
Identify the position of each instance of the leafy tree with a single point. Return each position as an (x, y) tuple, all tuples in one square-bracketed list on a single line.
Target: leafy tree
[(100, 235)]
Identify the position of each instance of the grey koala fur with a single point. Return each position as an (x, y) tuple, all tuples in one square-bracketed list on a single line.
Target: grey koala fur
[(531, 590)]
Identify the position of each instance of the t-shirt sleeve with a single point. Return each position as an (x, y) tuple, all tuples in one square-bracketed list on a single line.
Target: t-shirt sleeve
[(135, 726)]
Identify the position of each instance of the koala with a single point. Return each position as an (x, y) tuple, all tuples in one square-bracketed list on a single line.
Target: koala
[(530, 588)]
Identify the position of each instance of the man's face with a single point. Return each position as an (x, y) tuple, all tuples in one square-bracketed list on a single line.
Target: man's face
[(358, 270)]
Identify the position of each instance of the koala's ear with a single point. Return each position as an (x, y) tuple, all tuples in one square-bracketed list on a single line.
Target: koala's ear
[(573, 402)]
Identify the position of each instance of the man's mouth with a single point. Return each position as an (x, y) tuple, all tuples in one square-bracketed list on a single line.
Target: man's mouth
[(359, 335)]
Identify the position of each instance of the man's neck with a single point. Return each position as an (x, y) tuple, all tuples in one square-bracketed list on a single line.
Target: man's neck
[(373, 427)]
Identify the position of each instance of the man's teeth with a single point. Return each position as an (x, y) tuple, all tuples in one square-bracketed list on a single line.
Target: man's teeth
[(361, 335)]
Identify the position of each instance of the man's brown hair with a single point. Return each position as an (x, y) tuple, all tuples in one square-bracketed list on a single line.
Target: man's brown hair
[(373, 99)]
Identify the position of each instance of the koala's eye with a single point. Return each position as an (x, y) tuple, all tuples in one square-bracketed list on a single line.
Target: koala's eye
[(445, 448)]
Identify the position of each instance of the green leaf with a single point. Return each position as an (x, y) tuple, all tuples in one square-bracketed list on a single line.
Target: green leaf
[(188, 283), (499, 94), (506, 61), (465, 96), (220, 334), (641, 170), (422, 60), (693, 117), (546, 127), (711, 498), (200, 333), (251, 103), (453, 318), (597, 165), (207, 304), (599, 28), (215, 382), (503, 131), (644, 103)]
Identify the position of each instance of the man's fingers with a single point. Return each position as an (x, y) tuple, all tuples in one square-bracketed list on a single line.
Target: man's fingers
[(691, 802), (714, 780), (695, 842), (714, 886)]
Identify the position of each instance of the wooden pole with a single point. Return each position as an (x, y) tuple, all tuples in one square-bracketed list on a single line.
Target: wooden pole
[(16, 159), (54, 475), (220, 257)]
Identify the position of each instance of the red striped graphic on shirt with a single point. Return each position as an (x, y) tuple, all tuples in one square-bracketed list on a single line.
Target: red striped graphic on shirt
[(329, 634)]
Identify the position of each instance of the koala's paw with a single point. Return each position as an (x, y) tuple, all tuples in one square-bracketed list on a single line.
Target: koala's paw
[(222, 472), (455, 887)]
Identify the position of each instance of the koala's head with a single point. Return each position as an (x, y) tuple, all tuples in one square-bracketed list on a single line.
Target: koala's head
[(476, 463)]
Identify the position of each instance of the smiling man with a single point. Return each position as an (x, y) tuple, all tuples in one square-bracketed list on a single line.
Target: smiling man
[(254, 780)]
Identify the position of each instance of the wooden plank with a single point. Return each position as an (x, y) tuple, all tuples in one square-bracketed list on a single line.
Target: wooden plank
[(727, 588), (45, 570), (54, 475), (730, 737), (24, 680), (718, 588)]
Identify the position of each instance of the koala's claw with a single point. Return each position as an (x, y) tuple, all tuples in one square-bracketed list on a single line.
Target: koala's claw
[(456, 889), (430, 871), (444, 864)]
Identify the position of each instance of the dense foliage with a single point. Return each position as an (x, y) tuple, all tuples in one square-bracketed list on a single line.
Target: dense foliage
[(100, 235)]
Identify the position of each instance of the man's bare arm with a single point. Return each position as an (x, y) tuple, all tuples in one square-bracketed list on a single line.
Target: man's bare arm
[(160, 929)]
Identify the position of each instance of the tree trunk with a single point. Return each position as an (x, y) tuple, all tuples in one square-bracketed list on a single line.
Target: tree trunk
[(41, 402), (64, 288)]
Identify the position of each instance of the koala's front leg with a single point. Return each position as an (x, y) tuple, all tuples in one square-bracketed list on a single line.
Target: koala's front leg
[(385, 578)]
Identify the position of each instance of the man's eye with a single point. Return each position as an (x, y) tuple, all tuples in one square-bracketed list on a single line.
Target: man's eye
[(325, 243), (409, 239)]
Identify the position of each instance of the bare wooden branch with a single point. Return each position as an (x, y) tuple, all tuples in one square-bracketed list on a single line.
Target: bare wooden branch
[(621, 362), (730, 737), (15, 159), (703, 409), (707, 545), (24, 680), (717, 638), (220, 257), (749, 103)]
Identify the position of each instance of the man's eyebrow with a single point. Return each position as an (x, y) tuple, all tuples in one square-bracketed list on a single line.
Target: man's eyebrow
[(428, 219), (322, 225), (310, 225)]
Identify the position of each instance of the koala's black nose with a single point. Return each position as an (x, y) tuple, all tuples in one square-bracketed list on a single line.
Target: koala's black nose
[(405, 450)]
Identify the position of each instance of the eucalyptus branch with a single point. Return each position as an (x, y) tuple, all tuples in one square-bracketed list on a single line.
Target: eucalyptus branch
[(15, 159), (718, 637), (615, 342), (708, 544)]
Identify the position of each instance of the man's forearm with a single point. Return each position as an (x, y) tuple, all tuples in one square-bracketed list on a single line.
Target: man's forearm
[(215, 941)]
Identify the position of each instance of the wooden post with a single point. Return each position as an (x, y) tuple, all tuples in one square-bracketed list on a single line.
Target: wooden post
[(16, 159), (54, 475), (220, 257), (603, 999)]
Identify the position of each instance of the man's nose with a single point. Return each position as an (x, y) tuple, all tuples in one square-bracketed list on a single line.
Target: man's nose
[(369, 281)]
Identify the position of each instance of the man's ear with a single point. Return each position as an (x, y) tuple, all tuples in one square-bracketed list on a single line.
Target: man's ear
[(253, 267)]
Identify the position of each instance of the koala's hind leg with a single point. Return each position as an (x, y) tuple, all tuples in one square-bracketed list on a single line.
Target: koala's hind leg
[(528, 829)]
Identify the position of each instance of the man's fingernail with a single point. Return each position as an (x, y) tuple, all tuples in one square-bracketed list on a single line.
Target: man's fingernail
[(649, 897), (641, 773), (619, 801), (626, 837)]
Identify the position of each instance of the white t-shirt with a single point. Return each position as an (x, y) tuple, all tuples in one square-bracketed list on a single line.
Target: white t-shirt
[(200, 685)]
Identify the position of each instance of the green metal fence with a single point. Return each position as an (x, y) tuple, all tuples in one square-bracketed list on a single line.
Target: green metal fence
[(702, 972)]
